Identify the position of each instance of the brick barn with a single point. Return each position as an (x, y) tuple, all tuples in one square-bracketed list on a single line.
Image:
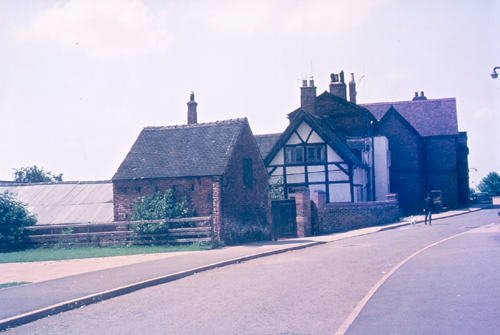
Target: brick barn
[(428, 152), (216, 166)]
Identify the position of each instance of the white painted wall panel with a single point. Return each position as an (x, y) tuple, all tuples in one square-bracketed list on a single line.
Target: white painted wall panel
[(295, 174), (340, 193), (316, 173), (336, 175), (332, 156), (294, 139), (303, 130), (315, 138), (279, 159)]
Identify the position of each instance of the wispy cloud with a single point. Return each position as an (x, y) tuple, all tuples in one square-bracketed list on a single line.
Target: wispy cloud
[(108, 29), (243, 17)]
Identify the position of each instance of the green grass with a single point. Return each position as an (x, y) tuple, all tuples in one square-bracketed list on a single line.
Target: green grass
[(14, 283), (53, 254)]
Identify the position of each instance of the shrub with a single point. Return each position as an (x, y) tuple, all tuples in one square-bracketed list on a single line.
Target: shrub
[(159, 206), (13, 218)]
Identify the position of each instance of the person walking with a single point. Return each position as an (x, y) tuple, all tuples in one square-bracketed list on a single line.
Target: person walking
[(428, 209)]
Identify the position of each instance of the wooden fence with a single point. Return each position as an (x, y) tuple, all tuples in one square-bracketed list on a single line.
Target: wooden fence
[(179, 231)]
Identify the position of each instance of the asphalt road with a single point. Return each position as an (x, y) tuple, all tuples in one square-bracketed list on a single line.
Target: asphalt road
[(450, 288)]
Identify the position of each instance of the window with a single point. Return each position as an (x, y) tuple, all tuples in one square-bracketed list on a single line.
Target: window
[(294, 154), (314, 153), (247, 172)]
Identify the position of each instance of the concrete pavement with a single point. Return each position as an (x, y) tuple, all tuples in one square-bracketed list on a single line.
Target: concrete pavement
[(22, 304)]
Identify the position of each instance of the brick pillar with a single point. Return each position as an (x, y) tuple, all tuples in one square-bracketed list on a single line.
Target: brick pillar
[(216, 211), (303, 206)]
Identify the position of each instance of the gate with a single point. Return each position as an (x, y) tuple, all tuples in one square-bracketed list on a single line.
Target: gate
[(284, 218)]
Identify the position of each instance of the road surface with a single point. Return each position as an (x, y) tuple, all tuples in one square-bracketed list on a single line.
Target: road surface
[(439, 279)]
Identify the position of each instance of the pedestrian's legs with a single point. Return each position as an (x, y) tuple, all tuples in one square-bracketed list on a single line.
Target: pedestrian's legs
[(430, 217), (426, 216)]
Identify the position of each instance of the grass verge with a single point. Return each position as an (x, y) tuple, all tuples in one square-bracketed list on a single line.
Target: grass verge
[(14, 283), (55, 254)]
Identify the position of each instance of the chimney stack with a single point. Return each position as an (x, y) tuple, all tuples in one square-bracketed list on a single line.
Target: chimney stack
[(352, 90), (337, 85), (308, 96), (419, 97), (192, 117)]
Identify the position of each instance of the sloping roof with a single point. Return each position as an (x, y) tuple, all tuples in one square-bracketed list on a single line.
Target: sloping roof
[(266, 143), (430, 117), (67, 202), (323, 130), (201, 149), (404, 122)]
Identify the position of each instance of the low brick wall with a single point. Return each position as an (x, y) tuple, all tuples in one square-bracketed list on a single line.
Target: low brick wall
[(335, 217)]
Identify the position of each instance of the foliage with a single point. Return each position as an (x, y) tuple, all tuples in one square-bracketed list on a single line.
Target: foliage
[(33, 174), (159, 206), (490, 184), (277, 189), (13, 218)]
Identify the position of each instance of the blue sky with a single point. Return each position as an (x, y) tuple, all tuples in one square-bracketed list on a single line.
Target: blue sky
[(81, 78)]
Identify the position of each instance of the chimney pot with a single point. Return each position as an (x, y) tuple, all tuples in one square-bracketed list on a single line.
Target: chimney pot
[(304, 83), (311, 83)]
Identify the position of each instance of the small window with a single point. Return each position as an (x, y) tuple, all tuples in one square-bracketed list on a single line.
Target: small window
[(247, 172), (294, 154), (310, 153), (315, 153)]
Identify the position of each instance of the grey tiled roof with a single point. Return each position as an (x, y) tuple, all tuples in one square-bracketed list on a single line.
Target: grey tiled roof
[(179, 151), (429, 117), (266, 143)]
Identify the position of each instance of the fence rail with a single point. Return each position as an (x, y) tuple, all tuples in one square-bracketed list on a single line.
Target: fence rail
[(121, 232)]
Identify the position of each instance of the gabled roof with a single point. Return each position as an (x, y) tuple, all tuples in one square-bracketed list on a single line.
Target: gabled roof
[(332, 105), (266, 142), (397, 115), (429, 117), (323, 131), (202, 149)]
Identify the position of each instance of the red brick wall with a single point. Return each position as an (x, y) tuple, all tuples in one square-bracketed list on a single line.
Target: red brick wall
[(245, 209), (197, 190), (407, 163), (441, 167), (336, 217)]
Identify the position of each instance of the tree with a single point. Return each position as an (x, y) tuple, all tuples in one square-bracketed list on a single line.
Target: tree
[(158, 206), (490, 184), (33, 174), (13, 218)]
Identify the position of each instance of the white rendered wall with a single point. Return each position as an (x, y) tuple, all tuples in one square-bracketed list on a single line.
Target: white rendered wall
[(382, 164)]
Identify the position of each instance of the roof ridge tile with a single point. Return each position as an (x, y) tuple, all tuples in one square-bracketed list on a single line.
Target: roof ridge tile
[(198, 125)]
